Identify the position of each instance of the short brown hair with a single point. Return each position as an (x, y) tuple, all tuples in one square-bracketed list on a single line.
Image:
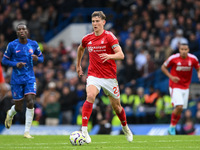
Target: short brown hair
[(99, 14)]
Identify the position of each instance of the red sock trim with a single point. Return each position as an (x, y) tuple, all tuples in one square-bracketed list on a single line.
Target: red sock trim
[(122, 117), (86, 112), (174, 119)]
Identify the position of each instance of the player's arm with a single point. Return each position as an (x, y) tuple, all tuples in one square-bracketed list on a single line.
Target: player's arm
[(37, 56), (6, 61), (168, 74), (6, 58), (80, 52), (118, 55), (198, 71)]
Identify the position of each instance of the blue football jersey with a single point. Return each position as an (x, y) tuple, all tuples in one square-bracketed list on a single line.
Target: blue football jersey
[(17, 52)]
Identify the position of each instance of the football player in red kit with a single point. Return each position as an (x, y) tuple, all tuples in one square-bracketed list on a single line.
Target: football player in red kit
[(104, 49), (181, 65)]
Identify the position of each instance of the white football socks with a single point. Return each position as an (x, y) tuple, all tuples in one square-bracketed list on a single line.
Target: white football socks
[(84, 128), (29, 119), (12, 111)]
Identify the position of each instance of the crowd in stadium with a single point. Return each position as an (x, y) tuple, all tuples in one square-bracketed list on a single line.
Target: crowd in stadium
[(148, 31)]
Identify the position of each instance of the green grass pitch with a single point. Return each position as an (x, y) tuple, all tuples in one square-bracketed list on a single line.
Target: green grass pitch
[(107, 142)]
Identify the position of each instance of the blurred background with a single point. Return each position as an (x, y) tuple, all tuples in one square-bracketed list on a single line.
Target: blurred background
[(149, 31)]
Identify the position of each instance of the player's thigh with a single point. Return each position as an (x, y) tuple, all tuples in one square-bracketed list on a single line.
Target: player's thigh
[(17, 91), (185, 98), (111, 88), (30, 88), (92, 91), (176, 96), (93, 87)]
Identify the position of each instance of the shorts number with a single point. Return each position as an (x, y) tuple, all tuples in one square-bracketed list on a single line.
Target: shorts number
[(116, 90)]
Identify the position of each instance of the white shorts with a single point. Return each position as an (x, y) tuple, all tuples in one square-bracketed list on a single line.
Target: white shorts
[(179, 96), (109, 86)]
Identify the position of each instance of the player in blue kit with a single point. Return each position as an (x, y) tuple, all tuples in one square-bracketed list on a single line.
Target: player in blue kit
[(21, 54)]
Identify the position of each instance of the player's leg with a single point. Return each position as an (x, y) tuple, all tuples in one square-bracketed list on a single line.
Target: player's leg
[(3, 88), (111, 89), (3, 91), (119, 110), (92, 92), (30, 92), (178, 102), (18, 95)]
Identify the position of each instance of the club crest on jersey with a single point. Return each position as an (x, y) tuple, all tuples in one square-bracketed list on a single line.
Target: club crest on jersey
[(189, 63), (30, 51), (102, 41)]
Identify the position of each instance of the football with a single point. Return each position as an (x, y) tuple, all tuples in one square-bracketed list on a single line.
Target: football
[(77, 138)]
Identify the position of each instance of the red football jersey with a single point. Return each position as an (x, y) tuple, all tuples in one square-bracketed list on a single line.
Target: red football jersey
[(1, 75), (181, 68), (104, 43)]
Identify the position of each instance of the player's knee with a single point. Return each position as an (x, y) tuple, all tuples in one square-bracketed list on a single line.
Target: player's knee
[(30, 104), (179, 108), (30, 101), (91, 97), (19, 108)]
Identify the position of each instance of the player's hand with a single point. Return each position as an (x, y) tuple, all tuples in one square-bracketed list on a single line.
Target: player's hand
[(104, 57), (175, 79), (35, 57), (79, 71), (20, 64)]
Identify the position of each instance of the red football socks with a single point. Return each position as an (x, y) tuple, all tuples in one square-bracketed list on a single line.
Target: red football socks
[(174, 119), (122, 117), (86, 112)]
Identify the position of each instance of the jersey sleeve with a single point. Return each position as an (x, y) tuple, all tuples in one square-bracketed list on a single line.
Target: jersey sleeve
[(37, 49), (168, 62), (38, 52), (84, 42), (196, 63), (8, 52), (112, 40), (7, 55)]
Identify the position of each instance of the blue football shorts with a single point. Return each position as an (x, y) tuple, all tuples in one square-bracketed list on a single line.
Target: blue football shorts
[(19, 90)]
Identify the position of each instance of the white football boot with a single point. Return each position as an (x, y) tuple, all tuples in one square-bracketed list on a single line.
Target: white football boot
[(27, 135), (8, 120), (128, 133), (87, 137)]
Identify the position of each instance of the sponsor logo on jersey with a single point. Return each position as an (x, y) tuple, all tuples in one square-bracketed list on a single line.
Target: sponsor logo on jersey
[(96, 48), (18, 51), (183, 68), (90, 49)]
